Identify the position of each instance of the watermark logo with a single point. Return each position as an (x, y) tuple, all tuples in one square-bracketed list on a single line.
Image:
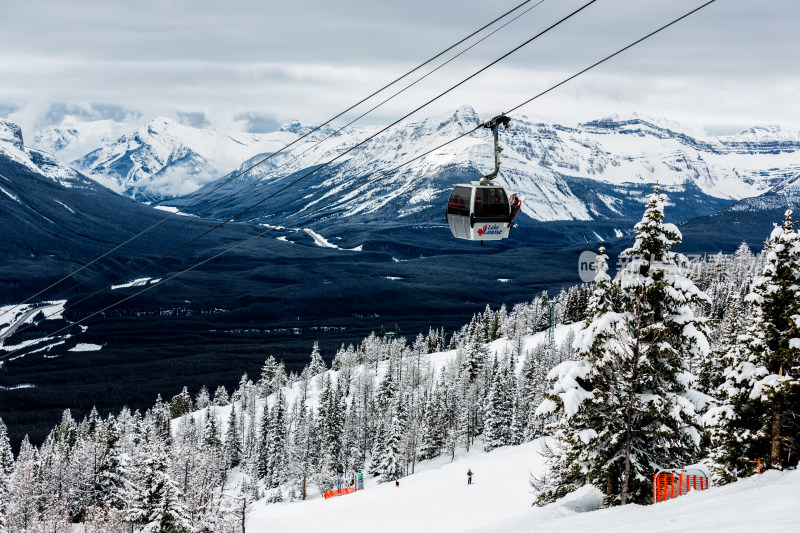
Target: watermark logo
[(587, 267), (685, 264)]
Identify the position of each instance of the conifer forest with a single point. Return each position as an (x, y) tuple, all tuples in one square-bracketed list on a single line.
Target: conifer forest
[(666, 364)]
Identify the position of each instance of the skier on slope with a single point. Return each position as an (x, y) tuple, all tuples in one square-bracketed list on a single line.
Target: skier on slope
[(469, 476)]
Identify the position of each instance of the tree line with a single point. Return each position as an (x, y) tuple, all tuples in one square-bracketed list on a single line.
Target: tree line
[(665, 365)]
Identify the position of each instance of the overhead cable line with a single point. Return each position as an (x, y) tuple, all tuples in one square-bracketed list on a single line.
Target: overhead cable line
[(330, 161), (260, 162), (372, 180), (197, 216)]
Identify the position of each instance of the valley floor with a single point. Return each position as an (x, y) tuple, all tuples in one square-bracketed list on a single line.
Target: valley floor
[(438, 499)]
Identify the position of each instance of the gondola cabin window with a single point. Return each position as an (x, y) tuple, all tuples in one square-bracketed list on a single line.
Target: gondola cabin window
[(460, 200), (491, 202)]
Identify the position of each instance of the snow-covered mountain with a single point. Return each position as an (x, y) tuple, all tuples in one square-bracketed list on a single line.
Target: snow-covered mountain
[(74, 138), (597, 170), (161, 159), (594, 171), (13, 149)]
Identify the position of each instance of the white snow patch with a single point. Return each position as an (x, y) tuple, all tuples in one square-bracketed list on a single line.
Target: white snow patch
[(86, 347), (171, 209), (321, 241), (135, 283), (13, 197), (20, 386), (65, 206)]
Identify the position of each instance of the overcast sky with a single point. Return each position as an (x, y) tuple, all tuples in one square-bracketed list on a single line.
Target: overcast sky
[(255, 64)]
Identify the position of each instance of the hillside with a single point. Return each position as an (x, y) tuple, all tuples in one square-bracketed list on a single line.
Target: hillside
[(438, 499)]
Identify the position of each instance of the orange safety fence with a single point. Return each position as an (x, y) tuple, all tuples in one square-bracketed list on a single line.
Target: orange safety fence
[(338, 492), (673, 483)]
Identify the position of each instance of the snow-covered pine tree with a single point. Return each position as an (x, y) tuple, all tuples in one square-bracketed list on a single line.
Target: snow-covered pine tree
[(22, 508), (391, 467), (276, 446), (112, 470), (155, 504), (202, 400), (755, 416), (627, 406), (499, 408), (6, 469), (317, 365), (268, 371), (233, 440), (221, 396), (181, 404), (378, 447)]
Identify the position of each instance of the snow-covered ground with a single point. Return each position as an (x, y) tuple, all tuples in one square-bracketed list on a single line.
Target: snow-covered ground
[(437, 499)]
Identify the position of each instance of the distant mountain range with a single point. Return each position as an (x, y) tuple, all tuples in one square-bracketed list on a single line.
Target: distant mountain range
[(159, 160), (595, 171)]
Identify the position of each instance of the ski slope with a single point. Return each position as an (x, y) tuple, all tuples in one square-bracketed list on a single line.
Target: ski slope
[(438, 499)]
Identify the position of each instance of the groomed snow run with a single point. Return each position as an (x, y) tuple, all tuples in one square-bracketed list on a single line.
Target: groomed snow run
[(438, 499)]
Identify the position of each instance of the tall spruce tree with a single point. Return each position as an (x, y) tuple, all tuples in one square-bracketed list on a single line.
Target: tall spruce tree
[(627, 407), (758, 407)]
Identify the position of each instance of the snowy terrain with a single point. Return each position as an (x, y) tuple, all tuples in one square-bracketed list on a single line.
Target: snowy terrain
[(161, 159), (437, 498), (597, 170), (165, 159), (13, 147)]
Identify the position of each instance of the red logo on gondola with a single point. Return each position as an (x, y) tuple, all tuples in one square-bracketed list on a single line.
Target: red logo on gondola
[(494, 229)]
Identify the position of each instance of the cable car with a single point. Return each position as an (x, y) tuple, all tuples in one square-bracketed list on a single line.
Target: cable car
[(480, 210)]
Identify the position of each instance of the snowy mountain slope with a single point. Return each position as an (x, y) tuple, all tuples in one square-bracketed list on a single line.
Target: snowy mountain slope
[(594, 171), (73, 139), (13, 149), (161, 159), (749, 220), (437, 498)]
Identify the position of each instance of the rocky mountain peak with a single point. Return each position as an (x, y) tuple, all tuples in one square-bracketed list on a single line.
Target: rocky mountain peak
[(11, 133)]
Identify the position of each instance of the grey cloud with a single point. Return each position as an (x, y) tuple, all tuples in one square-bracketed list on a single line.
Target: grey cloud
[(7, 109), (309, 59), (258, 122), (195, 119), (96, 111)]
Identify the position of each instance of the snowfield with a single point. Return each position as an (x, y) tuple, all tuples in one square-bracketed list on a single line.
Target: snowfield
[(438, 499)]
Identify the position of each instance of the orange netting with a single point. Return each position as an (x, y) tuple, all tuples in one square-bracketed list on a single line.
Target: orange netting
[(673, 483), (338, 492)]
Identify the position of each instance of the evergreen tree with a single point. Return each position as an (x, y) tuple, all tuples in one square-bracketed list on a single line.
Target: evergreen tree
[(276, 446), (154, 501), (756, 415), (317, 365), (268, 372), (202, 400), (391, 466), (181, 404), (233, 440), (499, 406), (220, 396), (625, 406)]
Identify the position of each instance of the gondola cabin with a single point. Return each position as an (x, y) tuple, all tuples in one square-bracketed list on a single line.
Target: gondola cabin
[(478, 212)]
